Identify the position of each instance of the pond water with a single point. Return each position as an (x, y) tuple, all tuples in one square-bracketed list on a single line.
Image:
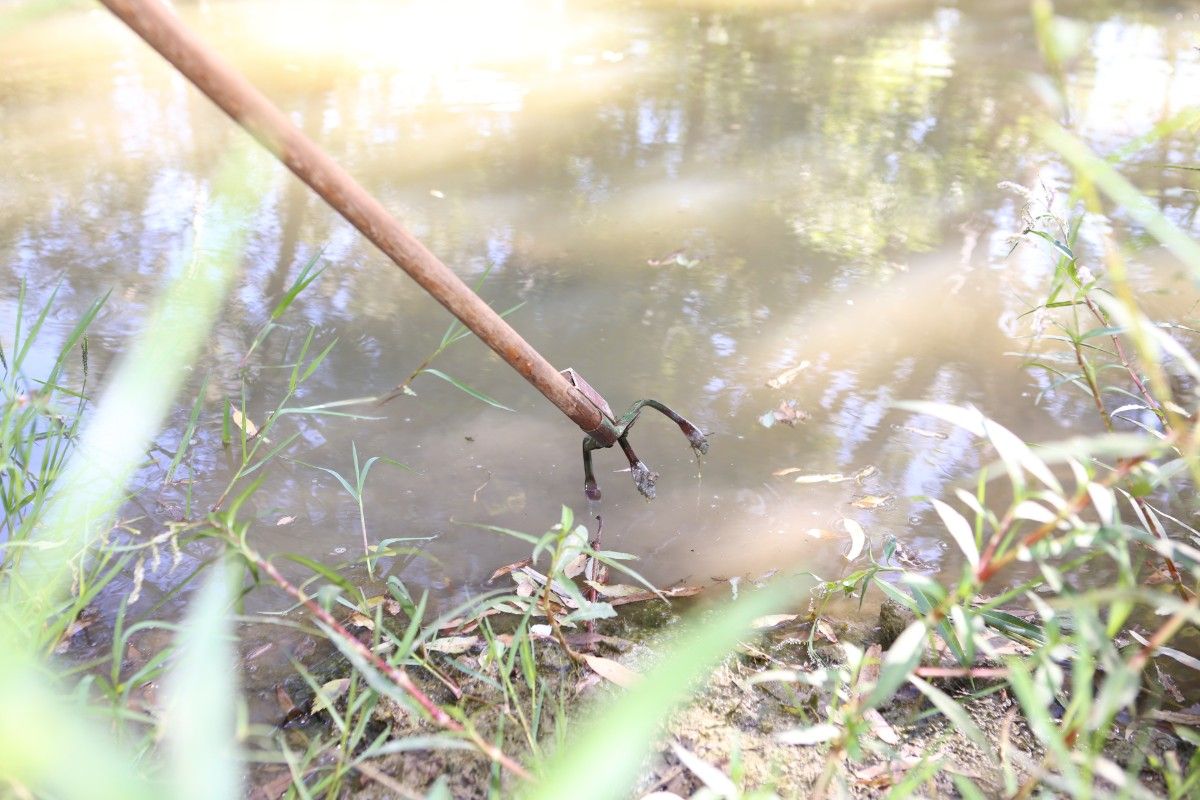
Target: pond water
[(687, 198)]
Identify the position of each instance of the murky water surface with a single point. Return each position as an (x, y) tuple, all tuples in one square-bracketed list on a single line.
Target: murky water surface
[(687, 200)]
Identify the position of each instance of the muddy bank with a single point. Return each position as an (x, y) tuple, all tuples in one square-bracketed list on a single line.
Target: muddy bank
[(737, 723)]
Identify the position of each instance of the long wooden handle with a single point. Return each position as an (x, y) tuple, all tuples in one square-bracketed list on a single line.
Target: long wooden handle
[(250, 108)]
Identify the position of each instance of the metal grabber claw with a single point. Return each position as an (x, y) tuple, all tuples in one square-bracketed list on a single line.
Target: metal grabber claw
[(613, 429)]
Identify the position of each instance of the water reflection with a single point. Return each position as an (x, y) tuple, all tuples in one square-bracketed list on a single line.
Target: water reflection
[(687, 203)]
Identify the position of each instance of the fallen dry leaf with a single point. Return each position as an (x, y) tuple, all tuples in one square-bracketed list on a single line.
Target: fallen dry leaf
[(880, 727), (359, 620), (615, 589), (85, 620), (678, 591), (788, 375), (576, 565), (328, 694), (772, 621), (826, 630), (284, 700), (872, 501), (1177, 717), (244, 423), (869, 674), (452, 645), (610, 670), (1169, 685), (285, 521), (390, 604), (507, 568), (886, 773)]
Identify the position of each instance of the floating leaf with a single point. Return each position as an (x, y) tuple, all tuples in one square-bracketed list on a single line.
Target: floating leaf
[(864, 473), (285, 521), (772, 621), (858, 538), (678, 258), (828, 477), (788, 375), (507, 568), (244, 423), (610, 670), (788, 412), (872, 501)]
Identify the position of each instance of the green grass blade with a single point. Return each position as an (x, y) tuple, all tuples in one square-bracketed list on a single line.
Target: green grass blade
[(478, 395), (620, 736), (199, 720)]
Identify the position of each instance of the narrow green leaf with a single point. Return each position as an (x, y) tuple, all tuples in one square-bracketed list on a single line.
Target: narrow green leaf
[(325, 572), (478, 395), (898, 663), (199, 720), (960, 530), (953, 712), (619, 736)]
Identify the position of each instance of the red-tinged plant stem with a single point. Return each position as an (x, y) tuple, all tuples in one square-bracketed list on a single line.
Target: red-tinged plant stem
[(1153, 524), (396, 674), (990, 564)]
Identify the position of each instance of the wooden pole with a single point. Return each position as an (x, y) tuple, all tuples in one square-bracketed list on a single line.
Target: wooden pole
[(237, 97)]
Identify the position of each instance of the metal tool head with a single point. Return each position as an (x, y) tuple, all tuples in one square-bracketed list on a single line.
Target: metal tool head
[(618, 430)]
